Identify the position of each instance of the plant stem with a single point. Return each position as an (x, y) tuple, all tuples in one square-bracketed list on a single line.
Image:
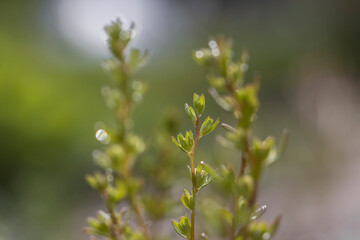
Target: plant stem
[(237, 108), (140, 218), (193, 177), (134, 203), (233, 225), (125, 115), (244, 156), (115, 230)]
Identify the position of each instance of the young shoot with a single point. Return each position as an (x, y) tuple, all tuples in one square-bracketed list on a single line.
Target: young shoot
[(228, 88), (199, 176)]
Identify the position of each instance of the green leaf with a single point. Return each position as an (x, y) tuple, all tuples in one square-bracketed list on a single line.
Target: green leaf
[(199, 103), (133, 186), (117, 193), (177, 144), (243, 212), (248, 101), (190, 113), (208, 126), (217, 82), (257, 212), (227, 179), (202, 177), (259, 152), (238, 139), (261, 149), (113, 68), (189, 138), (210, 170), (97, 228), (259, 231), (195, 100), (187, 200), (97, 181), (276, 153), (229, 128), (136, 60), (222, 102), (245, 186), (227, 216), (183, 227), (92, 181), (103, 217), (100, 225), (118, 38), (134, 57), (184, 142)]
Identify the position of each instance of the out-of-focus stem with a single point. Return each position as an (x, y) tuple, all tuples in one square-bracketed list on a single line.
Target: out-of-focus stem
[(115, 230)]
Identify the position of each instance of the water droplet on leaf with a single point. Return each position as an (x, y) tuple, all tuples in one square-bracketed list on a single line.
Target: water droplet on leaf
[(101, 135), (244, 67), (137, 97), (215, 52), (266, 236), (132, 34), (212, 44), (199, 54), (137, 85)]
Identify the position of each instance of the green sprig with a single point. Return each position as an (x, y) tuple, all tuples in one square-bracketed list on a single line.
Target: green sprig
[(227, 79)]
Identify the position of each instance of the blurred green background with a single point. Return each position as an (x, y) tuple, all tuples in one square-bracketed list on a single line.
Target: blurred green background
[(308, 55)]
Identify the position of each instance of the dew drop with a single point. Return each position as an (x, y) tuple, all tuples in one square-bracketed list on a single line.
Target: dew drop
[(137, 97), (101, 135), (137, 85), (96, 154), (132, 34), (109, 175), (244, 67), (199, 54), (105, 90), (215, 52), (212, 44), (202, 162), (266, 236)]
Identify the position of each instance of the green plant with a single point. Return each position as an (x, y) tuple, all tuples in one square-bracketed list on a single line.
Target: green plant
[(199, 176), (117, 183), (226, 77)]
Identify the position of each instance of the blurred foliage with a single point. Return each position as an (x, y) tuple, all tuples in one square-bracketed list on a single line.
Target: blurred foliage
[(230, 90), (116, 182)]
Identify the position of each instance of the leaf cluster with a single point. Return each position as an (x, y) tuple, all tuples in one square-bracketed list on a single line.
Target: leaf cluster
[(229, 89)]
